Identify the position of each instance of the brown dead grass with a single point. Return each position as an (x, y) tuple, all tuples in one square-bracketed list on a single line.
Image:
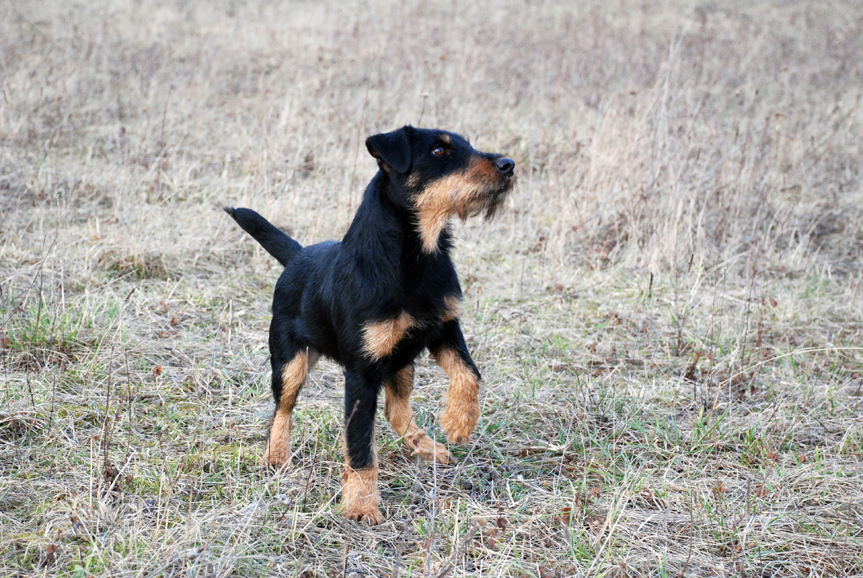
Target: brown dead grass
[(667, 315)]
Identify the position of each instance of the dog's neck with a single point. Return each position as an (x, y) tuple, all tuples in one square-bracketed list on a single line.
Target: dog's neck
[(386, 219)]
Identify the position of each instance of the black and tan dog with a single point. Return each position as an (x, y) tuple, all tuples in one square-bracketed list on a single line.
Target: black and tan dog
[(376, 300)]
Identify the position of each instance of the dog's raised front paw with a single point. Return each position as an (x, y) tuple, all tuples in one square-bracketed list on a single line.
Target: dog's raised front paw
[(459, 420), (428, 449)]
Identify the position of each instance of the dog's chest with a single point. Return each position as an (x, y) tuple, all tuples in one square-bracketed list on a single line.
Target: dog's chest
[(412, 326)]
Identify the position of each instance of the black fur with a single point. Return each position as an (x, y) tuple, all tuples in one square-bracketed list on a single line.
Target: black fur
[(277, 244), (330, 291)]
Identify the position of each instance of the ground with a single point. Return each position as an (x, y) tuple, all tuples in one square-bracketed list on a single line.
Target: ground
[(667, 315)]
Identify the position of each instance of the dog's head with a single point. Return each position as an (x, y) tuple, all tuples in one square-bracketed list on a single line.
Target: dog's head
[(442, 175)]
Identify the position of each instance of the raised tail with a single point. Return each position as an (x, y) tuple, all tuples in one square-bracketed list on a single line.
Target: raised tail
[(277, 243)]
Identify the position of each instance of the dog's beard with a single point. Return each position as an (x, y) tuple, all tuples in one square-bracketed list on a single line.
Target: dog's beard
[(488, 199), (457, 195)]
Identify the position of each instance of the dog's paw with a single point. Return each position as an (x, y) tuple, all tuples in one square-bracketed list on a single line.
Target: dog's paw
[(274, 460), (428, 449), (360, 497), (368, 514), (459, 420)]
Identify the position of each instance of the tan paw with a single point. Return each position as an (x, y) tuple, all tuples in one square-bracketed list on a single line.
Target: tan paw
[(368, 514), (428, 449), (459, 419), (360, 497), (274, 459)]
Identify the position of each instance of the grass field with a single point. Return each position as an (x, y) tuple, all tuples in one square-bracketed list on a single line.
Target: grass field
[(668, 314)]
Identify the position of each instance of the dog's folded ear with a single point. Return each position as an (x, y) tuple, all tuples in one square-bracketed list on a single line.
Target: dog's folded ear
[(392, 148)]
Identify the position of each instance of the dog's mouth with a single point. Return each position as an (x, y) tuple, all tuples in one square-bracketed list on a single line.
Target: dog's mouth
[(487, 198), (480, 189)]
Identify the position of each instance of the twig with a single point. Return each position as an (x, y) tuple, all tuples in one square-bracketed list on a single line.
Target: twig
[(35, 331), (643, 311), (691, 525), (311, 473), (397, 566), (128, 404), (30, 389), (435, 496), (53, 396), (345, 555), (105, 441)]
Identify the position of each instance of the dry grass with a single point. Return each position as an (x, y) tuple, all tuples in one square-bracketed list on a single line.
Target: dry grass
[(668, 315)]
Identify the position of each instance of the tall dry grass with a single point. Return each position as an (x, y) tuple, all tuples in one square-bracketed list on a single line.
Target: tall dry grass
[(667, 316)]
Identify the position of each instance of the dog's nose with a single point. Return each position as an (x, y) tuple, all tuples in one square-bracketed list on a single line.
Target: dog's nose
[(505, 165)]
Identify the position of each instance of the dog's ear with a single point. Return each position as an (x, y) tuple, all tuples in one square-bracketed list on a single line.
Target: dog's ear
[(392, 149)]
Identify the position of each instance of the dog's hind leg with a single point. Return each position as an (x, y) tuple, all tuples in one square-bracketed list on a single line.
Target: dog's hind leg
[(360, 497), (461, 413), (398, 411), (288, 378)]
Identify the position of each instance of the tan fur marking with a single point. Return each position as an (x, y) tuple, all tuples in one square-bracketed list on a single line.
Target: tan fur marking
[(436, 205), (360, 497), (461, 412), (397, 406), (482, 170), (294, 374), (463, 193), (399, 413), (382, 337), (453, 308)]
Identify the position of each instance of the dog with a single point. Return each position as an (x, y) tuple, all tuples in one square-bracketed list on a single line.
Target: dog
[(374, 301)]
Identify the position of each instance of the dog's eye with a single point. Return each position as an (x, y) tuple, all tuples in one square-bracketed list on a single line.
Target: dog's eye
[(438, 151)]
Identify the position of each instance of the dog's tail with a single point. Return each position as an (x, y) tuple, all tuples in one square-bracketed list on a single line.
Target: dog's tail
[(277, 243)]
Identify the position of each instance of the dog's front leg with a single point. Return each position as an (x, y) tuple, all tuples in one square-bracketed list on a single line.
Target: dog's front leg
[(461, 411), (398, 410), (360, 497)]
